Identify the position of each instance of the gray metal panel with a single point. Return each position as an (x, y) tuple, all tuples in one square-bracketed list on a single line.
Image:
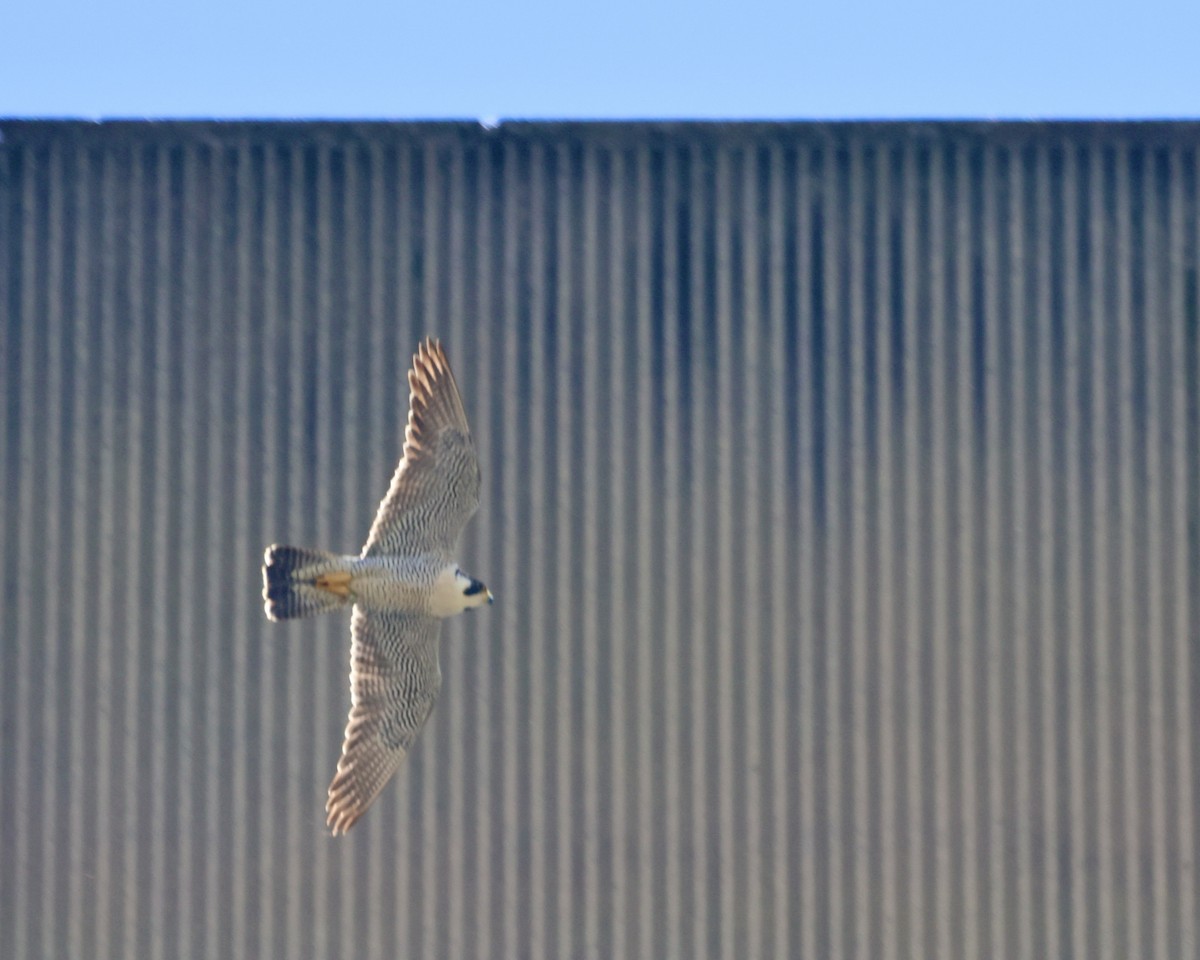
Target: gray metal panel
[(840, 507)]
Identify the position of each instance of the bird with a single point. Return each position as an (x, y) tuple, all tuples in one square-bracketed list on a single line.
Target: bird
[(401, 587)]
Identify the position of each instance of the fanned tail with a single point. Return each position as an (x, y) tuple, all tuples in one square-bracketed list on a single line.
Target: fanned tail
[(298, 582)]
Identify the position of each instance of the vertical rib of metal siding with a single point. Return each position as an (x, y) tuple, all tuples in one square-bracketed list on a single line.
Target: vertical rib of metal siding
[(967, 235), (635, 377), (564, 595), (616, 439), (1048, 675), (8, 476), (751, 881), (134, 641), (271, 673), (52, 533), (860, 604), (109, 553), (890, 597), (241, 406), (1183, 204), (154, 770), (701, 705), (542, 648), (617, 281), (11, 383), (721, 658), (188, 496), (807, 873), (21, 891), (1127, 586), (1157, 394), (592, 465), (830, 325), (214, 646), (1186, 363), (647, 555), (778, 829), (940, 490), (487, 922), (995, 612), (242, 787), (514, 546), (1017, 593), (671, 449), (1101, 587), (29, 770), (79, 917), (1076, 871), (914, 768)]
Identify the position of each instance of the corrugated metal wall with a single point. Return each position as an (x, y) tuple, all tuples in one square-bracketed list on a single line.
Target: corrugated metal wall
[(840, 502)]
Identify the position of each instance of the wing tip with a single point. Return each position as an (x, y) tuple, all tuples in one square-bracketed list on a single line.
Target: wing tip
[(341, 810), (433, 392), (431, 358), (340, 819), (428, 367), (349, 797)]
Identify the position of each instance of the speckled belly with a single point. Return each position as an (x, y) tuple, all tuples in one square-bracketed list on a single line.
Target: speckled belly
[(382, 586)]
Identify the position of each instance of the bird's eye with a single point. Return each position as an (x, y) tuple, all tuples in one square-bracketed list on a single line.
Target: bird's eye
[(474, 588)]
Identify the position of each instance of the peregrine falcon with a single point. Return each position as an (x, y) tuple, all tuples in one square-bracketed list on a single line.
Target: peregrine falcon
[(402, 585)]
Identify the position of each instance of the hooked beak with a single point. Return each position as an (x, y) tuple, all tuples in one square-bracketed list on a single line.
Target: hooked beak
[(491, 599)]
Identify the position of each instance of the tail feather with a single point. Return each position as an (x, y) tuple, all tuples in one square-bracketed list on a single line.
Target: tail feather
[(298, 582)]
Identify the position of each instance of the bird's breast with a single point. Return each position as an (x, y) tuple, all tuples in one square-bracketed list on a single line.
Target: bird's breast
[(379, 585)]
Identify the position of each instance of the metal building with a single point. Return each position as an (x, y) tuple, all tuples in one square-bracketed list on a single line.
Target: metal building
[(840, 504)]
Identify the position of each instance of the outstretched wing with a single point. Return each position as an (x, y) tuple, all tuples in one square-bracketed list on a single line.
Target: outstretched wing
[(394, 681), (435, 489)]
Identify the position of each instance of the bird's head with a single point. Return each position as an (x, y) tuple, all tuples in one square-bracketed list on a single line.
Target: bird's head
[(474, 592)]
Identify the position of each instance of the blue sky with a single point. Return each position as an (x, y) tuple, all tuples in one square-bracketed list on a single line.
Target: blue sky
[(618, 59)]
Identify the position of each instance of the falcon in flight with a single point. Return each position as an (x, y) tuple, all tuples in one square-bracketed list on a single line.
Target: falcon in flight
[(402, 585)]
